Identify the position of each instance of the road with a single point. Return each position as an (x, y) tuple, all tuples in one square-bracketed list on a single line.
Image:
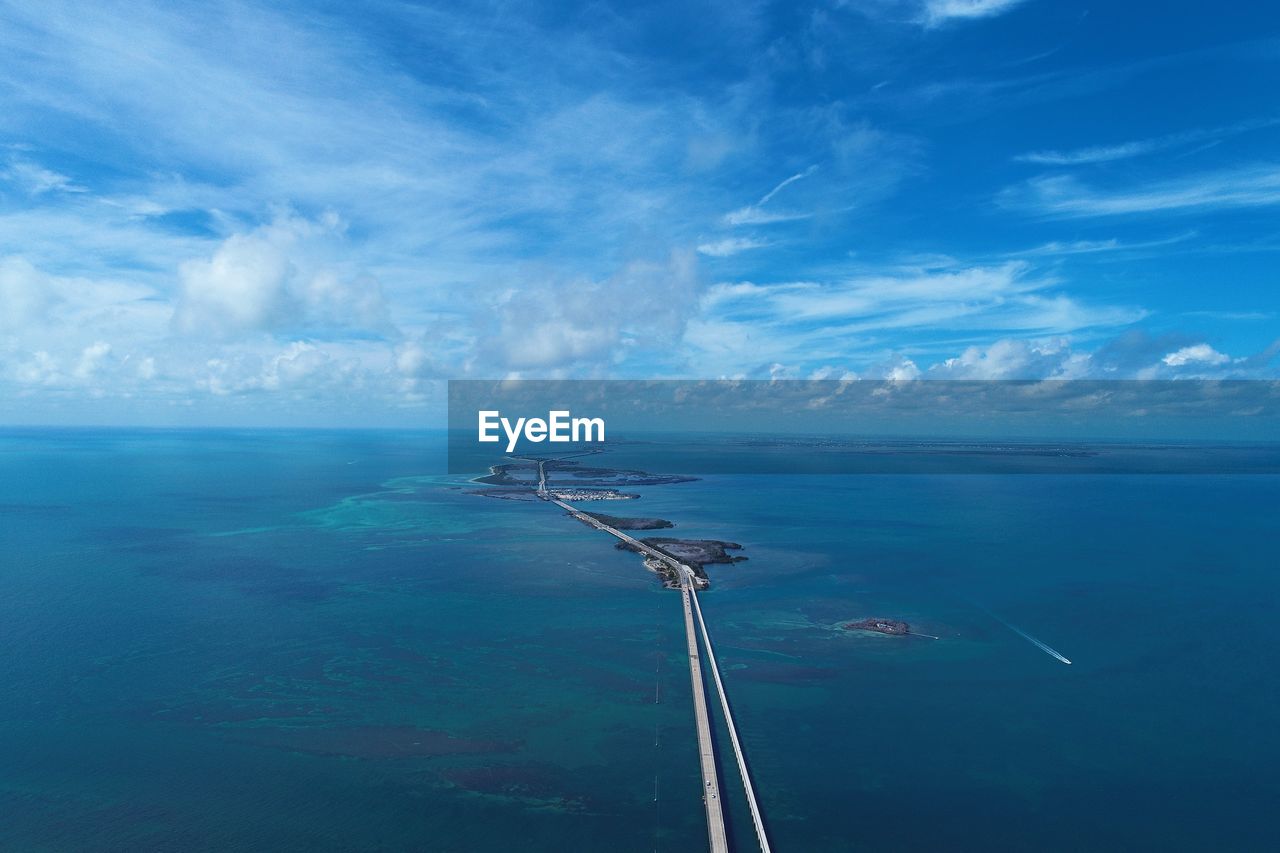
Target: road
[(706, 748), (648, 550), (689, 582), (756, 817)]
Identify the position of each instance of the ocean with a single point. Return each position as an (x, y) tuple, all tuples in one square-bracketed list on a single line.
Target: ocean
[(276, 640)]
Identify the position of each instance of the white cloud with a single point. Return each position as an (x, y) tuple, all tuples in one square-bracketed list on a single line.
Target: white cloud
[(829, 371), (415, 360), (24, 293), (492, 217), (1132, 355), (90, 360), (64, 331), (299, 369), (756, 214), (39, 368), (730, 246), (937, 12), (1003, 296), (1081, 156), (931, 13), (34, 179), (242, 287), (1196, 354), (899, 369), (860, 165), (277, 278), (1015, 359), (1063, 195), (1136, 148), (1088, 247), (552, 325), (558, 341), (744, 327)]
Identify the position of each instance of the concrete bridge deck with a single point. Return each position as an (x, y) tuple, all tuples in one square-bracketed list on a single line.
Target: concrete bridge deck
[(716, 834)]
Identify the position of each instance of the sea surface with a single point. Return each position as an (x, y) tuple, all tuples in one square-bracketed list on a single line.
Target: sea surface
[(314, 641)]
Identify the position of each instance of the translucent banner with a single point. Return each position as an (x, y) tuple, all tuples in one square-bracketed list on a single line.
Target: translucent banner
[(684, 427)]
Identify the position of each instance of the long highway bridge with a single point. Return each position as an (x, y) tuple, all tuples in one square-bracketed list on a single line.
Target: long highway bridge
[(689, 583)]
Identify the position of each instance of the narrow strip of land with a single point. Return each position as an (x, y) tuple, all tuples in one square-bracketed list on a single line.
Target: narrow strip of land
[(733, 730), (648, 550), (716, 835)]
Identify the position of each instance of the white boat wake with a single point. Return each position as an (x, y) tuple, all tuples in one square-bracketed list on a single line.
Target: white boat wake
[(1033, 641), (1044, 647)]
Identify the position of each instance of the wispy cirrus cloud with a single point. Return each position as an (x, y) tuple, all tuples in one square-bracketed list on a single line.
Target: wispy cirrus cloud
[(345, 206), (35, 179), (1067, 196), (793, 321), (938, 12), (1093, 154), (758, 214), (1093, 247), (730, 246), (932, 13), (1234, 316), (1136, 148)]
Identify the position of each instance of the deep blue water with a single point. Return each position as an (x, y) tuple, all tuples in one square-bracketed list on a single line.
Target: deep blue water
[(309, 641)]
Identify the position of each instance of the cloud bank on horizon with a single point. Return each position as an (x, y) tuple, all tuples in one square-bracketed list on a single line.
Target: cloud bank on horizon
[(312, 214)]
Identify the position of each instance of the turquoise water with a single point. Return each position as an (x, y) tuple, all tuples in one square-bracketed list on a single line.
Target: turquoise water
[(307, 641)]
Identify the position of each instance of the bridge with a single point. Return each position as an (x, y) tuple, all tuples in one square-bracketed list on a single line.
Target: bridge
[(689, 583)]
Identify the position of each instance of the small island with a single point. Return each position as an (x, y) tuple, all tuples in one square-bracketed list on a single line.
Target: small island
[(560, 481), (569, 476), (893, 627), (694, 553), (620, 523)]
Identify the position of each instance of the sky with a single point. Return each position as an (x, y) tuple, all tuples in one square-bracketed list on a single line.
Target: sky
[(313, 214)]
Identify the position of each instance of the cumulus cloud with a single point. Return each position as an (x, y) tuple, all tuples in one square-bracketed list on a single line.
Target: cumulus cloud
[(25, 293), (897, 369), (90, 359), (1131, 355), (830, 371), (298, 370), (39, 368), (1015, 359), (71, 332), (415, 359), (554, 325), (1197, 354), (281, 277), (499, 208)]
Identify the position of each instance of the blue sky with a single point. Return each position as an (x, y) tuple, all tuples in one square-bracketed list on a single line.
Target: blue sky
[(312, 214)]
